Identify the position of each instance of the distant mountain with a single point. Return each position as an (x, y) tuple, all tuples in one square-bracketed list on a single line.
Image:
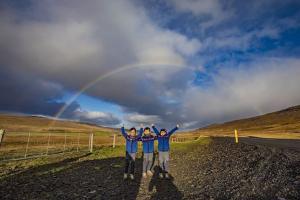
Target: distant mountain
[(286, 121), (44, 124)]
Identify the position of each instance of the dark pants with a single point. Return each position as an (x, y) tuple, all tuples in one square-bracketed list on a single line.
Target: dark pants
[(130, 163)]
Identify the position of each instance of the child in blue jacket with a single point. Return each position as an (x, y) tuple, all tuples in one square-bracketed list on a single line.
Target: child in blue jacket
[(131, 149), (163, 137), (148, 150)]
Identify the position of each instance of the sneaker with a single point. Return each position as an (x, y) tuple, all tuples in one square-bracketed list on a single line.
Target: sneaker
[(125, 176), (161, 175), (131, 176), (167, 175), (144, 175), (149, 173)]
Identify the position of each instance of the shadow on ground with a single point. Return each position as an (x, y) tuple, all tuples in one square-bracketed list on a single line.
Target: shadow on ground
[(164, 188), (68, 179)]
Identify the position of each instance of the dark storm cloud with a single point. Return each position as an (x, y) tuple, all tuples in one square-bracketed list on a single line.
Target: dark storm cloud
[(68, 44), (74, 43), (25, 93)]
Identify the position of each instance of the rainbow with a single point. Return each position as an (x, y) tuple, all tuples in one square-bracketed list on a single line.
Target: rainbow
[(102, 77)]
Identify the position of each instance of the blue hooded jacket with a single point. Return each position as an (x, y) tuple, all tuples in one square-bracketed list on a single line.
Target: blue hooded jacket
[(163, 140), (131, 142), (148, 143)]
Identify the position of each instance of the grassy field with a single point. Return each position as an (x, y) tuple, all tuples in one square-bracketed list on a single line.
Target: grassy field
[(100, 152), (73, 136), (283, 124), (21, 123), (27, 144), (17, 144)]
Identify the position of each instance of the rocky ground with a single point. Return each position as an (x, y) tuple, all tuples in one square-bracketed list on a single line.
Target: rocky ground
[(218, 170)]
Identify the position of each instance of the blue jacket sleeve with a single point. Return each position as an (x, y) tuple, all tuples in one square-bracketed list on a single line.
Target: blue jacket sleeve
[(155, 130), (140, 132), (173, 130), (123, 132), (139, 136)]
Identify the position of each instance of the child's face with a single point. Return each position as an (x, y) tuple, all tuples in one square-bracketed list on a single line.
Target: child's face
[(132, 132), (146, 132), (163, 133)]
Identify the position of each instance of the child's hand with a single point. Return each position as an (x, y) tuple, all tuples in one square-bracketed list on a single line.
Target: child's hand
[(142, 125), (152, 124), (177, 125)]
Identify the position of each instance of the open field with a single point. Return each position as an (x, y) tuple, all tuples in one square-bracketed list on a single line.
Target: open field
[(283, 124), (36, 136), (17, 145), (21, 123), (209, 168)]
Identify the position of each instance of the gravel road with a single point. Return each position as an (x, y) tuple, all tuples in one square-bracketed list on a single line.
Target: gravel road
[(219, 170)]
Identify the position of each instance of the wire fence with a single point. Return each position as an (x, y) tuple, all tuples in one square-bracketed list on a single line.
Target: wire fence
[(18, 145), (22, 145)]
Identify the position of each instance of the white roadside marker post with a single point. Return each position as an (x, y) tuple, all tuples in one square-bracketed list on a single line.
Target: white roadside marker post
[(2, 132), (91, 142), (65, 142), (114, 141), (48, 143), (78, 141), (28, 140)]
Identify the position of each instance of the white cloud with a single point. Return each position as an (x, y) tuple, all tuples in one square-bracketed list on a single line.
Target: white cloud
[(101, 118), (211, 11), (199, 7), (235, 39), (263, 86), (136, 118)]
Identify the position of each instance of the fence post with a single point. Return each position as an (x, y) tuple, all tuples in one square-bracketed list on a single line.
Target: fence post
[(28, 140), (91, 142), (48, 143), (114, 141), (78, 141), (2, 132), (65, 142)]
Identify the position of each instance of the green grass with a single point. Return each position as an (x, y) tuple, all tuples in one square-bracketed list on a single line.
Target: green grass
[(187, 146), (15, 167)]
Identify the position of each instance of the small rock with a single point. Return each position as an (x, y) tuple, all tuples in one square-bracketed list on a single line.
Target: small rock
[(281, 198)]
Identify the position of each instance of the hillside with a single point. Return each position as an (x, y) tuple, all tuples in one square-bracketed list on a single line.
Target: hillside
[(41, 124), (285, 122)]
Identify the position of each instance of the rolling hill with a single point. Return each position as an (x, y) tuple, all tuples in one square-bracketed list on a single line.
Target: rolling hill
[(284, 123), (44, 124)]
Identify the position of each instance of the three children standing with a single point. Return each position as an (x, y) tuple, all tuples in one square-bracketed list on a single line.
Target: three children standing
[(145, 136)]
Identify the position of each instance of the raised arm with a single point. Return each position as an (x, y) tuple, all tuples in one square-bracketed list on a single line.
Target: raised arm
[(173, 130), (123, 132), (140, 132), (155, 129)]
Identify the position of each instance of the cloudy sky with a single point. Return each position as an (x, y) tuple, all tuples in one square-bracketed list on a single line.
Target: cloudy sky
[(192, 62)]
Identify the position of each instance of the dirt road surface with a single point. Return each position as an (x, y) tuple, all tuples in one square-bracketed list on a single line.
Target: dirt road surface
[(218, 170)]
